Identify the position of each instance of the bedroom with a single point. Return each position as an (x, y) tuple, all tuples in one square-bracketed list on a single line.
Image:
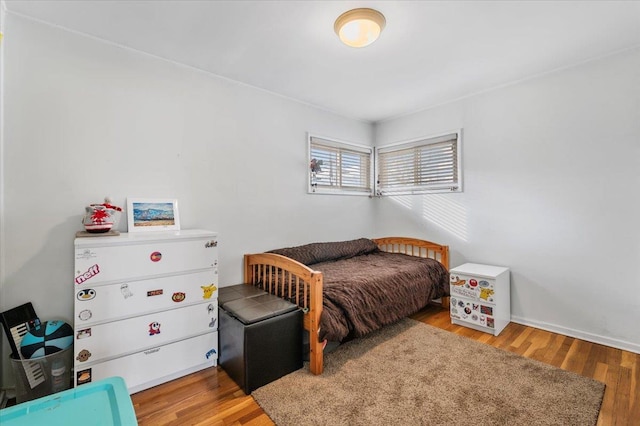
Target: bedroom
[(550, 170)]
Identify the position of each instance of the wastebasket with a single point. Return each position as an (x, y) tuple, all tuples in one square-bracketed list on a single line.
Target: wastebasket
[(42, 376)]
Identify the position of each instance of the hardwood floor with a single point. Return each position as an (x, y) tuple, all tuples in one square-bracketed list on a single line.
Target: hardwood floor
[(210, 397)]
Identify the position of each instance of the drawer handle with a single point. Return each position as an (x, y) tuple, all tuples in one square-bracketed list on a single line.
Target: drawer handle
[(152, 351), (212, 243)]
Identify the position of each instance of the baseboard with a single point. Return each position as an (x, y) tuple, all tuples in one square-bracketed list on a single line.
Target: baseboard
[(578, 334)]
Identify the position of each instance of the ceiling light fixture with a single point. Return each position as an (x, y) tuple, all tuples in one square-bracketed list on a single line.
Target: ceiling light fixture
[(359, 27)]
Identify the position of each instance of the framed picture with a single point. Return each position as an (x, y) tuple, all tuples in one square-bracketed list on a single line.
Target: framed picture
[(152, 214)]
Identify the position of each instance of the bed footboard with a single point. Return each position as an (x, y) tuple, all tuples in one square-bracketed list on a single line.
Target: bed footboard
[(295, 282)]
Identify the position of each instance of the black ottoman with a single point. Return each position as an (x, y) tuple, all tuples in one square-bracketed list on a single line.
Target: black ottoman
[(260, 336)]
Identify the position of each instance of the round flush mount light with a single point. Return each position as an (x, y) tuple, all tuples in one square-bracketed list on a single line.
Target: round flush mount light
[(359, 27)]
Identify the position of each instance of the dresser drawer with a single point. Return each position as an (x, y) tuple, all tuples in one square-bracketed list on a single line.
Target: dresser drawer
[(113, 263), (156, 365), (95, 304), (473, 311), (473, 287), (115, 338)]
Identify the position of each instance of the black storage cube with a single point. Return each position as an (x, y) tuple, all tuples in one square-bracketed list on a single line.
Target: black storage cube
[(260, 336)]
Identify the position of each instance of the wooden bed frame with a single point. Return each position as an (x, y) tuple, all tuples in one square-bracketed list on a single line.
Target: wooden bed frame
[(283, 275)]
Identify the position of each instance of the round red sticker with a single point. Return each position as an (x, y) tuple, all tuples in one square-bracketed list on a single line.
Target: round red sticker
[(156, 256)]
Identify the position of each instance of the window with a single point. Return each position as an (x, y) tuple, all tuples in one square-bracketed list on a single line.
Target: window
[(339, 167), (425, 165)]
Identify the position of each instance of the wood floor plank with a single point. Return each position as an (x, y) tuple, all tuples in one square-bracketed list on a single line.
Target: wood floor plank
[(577, 356), (560, 355), (211, 398), (521, 338), (622, 407), (539, 344), (634, 412), (508, 335), (597, 355)]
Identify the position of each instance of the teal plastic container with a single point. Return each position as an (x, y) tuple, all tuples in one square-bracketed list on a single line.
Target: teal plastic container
[(105, 402)]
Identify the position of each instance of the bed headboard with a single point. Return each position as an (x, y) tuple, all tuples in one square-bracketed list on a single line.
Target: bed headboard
[(415, 247)]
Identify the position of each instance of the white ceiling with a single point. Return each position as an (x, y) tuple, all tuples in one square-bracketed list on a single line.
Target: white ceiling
[(431, 52)]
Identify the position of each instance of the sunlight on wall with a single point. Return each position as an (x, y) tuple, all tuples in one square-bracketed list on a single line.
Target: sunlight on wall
[(439, 209), (405, 201), (443, 211)]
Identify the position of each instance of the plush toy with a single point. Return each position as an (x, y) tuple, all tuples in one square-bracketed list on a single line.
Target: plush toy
[(315, 169), (315, 165)]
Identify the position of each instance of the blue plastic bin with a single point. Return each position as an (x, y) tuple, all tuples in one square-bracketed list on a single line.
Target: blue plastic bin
[(105, 402)]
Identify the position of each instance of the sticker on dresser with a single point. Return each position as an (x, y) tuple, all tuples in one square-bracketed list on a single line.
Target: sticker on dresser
[(83, 334), (86, 254), (154, 328), (86, 294), (83, 355), (207, 291), (124, 289), (82, 277), (83, 376)]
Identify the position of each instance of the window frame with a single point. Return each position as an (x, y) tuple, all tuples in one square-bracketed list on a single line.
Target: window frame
[(420, 142), (334, 143)]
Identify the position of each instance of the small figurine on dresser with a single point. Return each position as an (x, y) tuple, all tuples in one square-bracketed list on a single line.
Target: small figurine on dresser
[(101, 218)]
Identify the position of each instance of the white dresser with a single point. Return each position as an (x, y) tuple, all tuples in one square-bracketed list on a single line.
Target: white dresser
[(145, 306), (480, 297)]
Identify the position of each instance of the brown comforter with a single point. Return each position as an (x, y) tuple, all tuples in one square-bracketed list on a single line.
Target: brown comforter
[(364, 288), (366, 292)]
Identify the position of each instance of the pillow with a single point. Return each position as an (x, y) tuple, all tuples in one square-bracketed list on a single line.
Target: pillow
[(309, 254)]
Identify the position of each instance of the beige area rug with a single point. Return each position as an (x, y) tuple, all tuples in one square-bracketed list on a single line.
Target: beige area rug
[(411, 373)]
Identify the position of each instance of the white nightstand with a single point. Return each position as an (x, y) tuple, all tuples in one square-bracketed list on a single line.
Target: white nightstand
[(480, 297)]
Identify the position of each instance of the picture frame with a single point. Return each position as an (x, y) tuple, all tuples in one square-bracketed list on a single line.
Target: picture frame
[(152, 214)]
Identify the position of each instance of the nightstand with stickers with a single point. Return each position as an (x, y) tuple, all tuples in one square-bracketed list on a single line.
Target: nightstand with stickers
[(480, 297), (145, 306)]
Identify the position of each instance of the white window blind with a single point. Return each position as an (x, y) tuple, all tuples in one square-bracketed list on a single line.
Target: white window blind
[(421, 166), (338, 167)]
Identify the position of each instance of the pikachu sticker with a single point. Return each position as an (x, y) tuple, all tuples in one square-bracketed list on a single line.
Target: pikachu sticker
[(207, 290)]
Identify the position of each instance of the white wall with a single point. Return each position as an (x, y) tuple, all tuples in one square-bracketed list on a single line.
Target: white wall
[(85, 119), (551, 178)]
